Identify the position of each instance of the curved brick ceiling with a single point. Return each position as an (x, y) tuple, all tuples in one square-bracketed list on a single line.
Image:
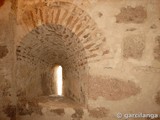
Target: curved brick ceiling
[(48, 45), (70, 17), (51, 44), (59, 33)]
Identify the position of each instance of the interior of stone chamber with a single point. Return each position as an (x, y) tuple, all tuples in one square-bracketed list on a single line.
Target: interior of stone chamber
[(40, 51)]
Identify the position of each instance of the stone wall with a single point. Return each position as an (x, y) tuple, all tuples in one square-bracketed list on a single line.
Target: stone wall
[(7, 81), (109, 50)]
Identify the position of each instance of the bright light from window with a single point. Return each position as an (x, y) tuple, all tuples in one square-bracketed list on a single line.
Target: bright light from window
[(59, 80)]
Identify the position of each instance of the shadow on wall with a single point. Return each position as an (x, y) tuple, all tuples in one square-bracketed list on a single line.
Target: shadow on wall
[(45, 84), (3, 51), (2, 2)]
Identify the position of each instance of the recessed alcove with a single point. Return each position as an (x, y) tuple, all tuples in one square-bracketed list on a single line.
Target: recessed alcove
[(44, 51)]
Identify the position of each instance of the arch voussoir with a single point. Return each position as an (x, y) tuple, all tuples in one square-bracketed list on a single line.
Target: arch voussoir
[(69, 16)]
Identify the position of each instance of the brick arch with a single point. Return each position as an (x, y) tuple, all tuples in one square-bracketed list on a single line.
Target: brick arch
[(48, 45), (40, 17), (69, 16)]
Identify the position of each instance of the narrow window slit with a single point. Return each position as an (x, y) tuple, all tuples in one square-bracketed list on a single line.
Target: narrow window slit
[(58, 81)]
